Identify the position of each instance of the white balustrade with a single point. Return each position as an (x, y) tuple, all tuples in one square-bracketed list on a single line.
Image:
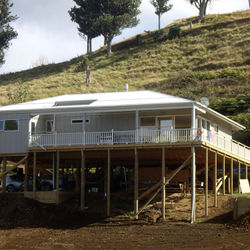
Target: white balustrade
[(140, 136)]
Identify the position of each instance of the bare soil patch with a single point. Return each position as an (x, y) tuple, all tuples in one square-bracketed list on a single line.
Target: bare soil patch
[(26, 224)]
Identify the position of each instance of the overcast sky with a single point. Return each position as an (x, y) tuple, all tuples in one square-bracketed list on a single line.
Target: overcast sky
[(45, 29)]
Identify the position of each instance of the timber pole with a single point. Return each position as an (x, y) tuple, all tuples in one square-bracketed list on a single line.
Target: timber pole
[(34, 175), (54, 170), (215, 179), (239, 177), (224, 174), (57, 175), (136, 201), (232, 176), (206, 184), (4, 170), (229, 184), (108, 185), (83, 181), (26, 176), (193, 217), (193, 169), (163, 185)]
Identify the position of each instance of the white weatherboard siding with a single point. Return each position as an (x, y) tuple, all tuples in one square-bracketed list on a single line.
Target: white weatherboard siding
[(103, 112), (15, 141)]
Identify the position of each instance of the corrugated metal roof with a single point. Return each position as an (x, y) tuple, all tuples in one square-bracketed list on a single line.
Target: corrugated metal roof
[(98, 100), (129, 100)]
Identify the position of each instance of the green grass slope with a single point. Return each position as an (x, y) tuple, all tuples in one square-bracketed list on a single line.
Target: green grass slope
[(212, 60)]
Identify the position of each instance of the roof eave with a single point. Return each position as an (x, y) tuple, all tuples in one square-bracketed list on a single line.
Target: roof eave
[(235, 125), (103, 108)]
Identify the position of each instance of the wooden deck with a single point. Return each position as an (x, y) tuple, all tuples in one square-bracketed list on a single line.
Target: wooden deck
[(139, 139)]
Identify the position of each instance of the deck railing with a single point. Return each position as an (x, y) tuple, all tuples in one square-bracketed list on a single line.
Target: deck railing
[(140, 136)]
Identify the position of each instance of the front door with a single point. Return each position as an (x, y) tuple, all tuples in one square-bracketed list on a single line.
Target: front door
[(166, 124), (166, 129)]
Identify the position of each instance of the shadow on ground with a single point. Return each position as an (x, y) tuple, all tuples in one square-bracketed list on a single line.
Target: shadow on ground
[(222, 219), (17, 211)]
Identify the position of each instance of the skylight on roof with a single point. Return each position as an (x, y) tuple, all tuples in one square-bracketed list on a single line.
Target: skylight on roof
[(72, 103)]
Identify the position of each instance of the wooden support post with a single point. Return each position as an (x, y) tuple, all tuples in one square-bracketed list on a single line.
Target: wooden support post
[(26, 176), (57, 175), (54, 170), (4, 170), (77, 179), (224, 173), (136, 201), (246, 172), (34, 175), (229, 184), (83, 180), (206, 184), (108, 184), (163, 185), (193, 179), (232, 176), (239, 177), (215, 180), (137, 125)]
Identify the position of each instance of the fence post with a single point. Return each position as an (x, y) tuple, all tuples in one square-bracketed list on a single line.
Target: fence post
[(112, 136), (140, 135), (83, 138), (55, 139)]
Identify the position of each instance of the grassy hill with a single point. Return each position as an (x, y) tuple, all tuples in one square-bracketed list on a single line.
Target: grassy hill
[(212, 60)]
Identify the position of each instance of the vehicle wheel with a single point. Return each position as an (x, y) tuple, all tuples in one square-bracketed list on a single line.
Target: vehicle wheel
[(11, 188)]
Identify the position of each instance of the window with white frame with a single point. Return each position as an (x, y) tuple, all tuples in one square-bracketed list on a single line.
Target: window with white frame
[(216, 127), (182, 122), (205, 124), (147, 121), (33, 128), (76, 121), (1, 125), (11, 125)]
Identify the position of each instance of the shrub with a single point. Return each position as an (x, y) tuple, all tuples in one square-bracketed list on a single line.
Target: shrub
[(82, 65), (174, 32), (19, 94)]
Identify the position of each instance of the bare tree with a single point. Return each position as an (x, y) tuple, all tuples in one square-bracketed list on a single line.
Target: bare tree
[(42, 60)]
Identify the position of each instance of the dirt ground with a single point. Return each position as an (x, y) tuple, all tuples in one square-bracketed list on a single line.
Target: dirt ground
[(26, 224)]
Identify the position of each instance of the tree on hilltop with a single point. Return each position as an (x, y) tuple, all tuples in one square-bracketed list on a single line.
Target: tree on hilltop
[(85, 14), (201, 5), (117, 15), (7, 33), (161, 7), (104, 17)]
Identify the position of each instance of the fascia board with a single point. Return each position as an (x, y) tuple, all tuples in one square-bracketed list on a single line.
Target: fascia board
[(104, 109), (234, 124)]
